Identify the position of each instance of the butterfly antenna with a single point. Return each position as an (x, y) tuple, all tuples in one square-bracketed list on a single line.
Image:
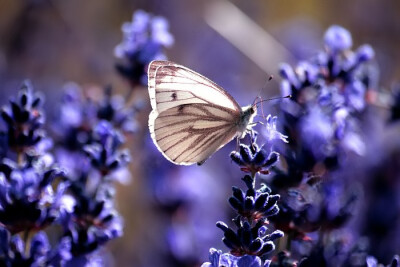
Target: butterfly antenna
[(269, 99), (262, 88), (274, 98), (259, 99)]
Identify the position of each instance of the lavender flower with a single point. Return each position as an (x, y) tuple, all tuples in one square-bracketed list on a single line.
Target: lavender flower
[(12, 251), (24, 118), (144, 40), (88, 215), (91, 224), (338, 39), (113, 109), (254, 205), (271, 132), (103, 152), (253, 159), (325, 178), (27, 200), (219, 259), (372, 262), (92, 120), (328, 98), (251, 243), (79, 114), (249, 240)]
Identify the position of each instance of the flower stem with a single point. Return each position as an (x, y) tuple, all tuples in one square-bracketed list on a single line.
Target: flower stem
[(20, 158), (26, 238)]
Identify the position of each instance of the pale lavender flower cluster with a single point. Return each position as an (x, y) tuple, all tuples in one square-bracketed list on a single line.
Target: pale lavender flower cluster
[(329, 162), (145, 38), (72, 191), (31, 187), (331, 194), (253, 241), (329, 93)]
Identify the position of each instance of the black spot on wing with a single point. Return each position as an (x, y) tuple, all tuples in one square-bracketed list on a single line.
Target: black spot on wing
[(181, 107), (174, 96)]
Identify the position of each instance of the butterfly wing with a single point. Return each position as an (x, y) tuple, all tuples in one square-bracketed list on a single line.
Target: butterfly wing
[(192, 117)]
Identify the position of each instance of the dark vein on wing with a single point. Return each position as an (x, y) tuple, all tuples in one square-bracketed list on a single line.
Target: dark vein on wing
[(209, 140)]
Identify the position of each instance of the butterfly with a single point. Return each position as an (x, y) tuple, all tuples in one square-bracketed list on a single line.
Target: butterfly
[(192, 117)]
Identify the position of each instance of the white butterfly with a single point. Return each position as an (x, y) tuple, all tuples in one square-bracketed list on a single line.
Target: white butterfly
[(192, 116)]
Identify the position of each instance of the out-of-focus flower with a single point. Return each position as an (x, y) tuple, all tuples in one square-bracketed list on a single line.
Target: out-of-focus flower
[(144, 40), (89, 145), (92, 138), (271, 132), (13, 253), (78, 115), (27, 199), (283, 259), (24, 118), (338, 39), (113, 108), (327, 124), (322, 118), (103, 152), (91, 224), (373, 262)]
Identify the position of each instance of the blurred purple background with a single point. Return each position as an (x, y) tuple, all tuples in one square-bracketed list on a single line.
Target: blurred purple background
[(52, 42)]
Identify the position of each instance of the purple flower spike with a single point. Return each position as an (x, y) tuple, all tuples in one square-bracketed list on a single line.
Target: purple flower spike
[(27, 199), (144, 40), (365, 53), (287, 72), (252, 204), (338, 38), (24, 119), (253, 159), (248, 240), (12, 251)]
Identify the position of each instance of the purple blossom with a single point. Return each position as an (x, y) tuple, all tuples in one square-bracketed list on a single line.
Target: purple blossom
[(219, 259), (252, 204), (24, 118), (27, 199), (252, 158), (338, 39), (103, 152), (271, 132), (328, 98), (144, 40), (12, 251), (91, 224)]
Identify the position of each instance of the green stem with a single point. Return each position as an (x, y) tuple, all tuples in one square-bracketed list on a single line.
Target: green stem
[(20, 158), (102, 180), (128, 95), (26, 241), (289, 240), (253, 176)]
